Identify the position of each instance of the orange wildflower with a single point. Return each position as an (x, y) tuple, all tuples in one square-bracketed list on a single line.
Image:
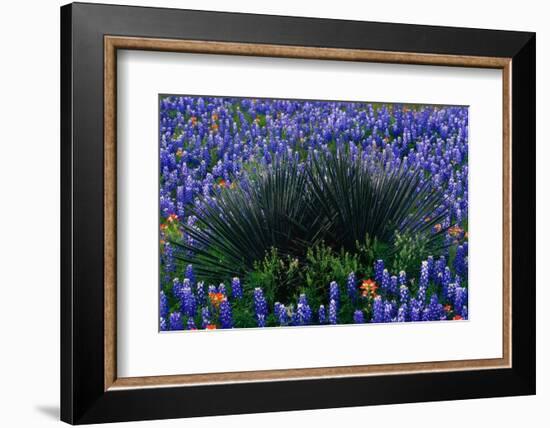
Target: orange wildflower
[(368, 287), (216, 298), (457, 317), (447, 308), (222, 183), (211, 327), (215, 127), (193, 120), (455, 231), (437, 227), (215, 117), (172, 218)]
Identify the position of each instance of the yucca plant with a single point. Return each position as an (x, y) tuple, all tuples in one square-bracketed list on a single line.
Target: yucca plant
[(358, 198), (241, 225), (340, 200)]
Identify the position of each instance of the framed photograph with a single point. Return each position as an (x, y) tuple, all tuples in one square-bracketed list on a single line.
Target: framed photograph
[(265, 213)]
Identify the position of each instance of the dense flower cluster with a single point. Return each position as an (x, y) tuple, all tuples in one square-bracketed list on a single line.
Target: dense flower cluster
[(206, 144)]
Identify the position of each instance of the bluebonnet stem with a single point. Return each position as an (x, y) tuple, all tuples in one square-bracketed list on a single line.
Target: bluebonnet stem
[(205, 317), (416, 308), (226, 314), (260, 307), (393, 284), (188, 301), (461, 261), (281, 313), (445, 281), (352, 286), (163, 304), (389, 309), (358, 317), (404, 294), (333, 312), (424, 275), (431, 266), (402, 313), (385, 284), (322, 314), (177, 289), (334, 293), (201, 295), (303, 311), (460, 300), (236, 288), (378, 270), (189, 274), (378, 310)]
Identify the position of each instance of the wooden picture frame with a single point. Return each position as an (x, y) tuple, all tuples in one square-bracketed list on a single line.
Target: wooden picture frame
[(91, 390)]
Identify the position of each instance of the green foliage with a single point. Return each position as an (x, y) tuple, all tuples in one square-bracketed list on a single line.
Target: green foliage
[(409, 251)]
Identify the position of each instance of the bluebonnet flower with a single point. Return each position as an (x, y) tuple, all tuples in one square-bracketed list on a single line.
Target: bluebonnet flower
[(163, 305), (226, 314), (176, 321), (388, 311), (434, 311), (189, 274), (163, 324), (281, 313), (205, 316), (385, 284), (236, 288), (378, 310), (322, 314), (424, 275), (450, 295), (221, 289), (431, 266), (303, 311), (404, 294), (416, 307), (402, 278), (191, 324), (187, 298), (352, 286), (402, 313), (333, 312), (378, 270), (168, 259), (446, 280), (260, 307), (358, 317), (393, 284), (201, 295), (334, 293), (461, 261), (461, 299)]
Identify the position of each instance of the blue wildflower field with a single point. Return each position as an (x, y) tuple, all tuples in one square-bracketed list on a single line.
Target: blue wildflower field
[(291, 213)]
